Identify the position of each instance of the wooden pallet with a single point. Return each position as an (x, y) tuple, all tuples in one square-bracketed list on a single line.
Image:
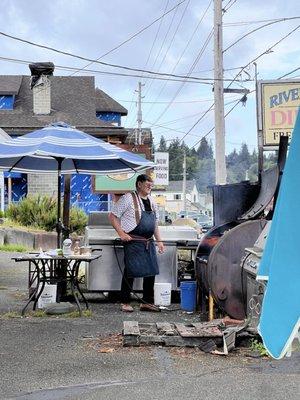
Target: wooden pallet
[(206, 335)]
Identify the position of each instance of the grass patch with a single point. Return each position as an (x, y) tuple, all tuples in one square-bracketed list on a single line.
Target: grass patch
[(256, 345), (11, 314), (18, 248), (8, 223), (42, 314)]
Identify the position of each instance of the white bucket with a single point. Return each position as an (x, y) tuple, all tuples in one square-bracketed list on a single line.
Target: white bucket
[(48, 295), (162, 294)]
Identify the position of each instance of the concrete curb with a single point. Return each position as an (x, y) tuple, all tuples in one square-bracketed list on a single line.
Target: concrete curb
[(31, 240)]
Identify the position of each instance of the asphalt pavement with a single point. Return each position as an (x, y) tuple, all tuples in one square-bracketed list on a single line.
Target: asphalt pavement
[(53, 358)]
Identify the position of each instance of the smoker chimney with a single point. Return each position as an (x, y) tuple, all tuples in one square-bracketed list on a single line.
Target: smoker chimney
[(40, 85)]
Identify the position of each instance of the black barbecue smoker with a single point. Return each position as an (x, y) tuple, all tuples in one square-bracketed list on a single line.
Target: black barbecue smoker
[(228, 255)]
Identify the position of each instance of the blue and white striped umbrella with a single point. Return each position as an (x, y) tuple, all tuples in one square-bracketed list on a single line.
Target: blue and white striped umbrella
[(79, 152), (65, 150)]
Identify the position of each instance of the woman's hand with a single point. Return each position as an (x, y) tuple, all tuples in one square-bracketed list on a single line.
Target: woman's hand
[(125, 237), (160, 247)]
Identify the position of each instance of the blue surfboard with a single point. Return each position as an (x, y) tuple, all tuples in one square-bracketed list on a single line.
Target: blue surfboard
[(280, 264)]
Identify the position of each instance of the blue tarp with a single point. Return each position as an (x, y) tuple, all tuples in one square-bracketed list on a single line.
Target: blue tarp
[(12, 175), (280, 264)]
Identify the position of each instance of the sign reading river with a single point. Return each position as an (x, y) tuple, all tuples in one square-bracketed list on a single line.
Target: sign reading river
[(278, 105)]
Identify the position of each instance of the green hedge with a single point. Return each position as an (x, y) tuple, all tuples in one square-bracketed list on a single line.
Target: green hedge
[(40, 212)]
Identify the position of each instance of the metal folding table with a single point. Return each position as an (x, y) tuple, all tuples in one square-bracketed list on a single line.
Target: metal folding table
[(55, 269)]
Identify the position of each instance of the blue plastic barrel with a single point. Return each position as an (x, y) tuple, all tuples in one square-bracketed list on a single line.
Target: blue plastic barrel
[(188, 291)]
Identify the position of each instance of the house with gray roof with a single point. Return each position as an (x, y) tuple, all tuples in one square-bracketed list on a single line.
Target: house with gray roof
[(172, 198), (30, 102), (72, 99)]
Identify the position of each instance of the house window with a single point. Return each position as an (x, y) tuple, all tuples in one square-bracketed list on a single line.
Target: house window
[(177, 196), (114, 118), (195, 198), (7, 102)]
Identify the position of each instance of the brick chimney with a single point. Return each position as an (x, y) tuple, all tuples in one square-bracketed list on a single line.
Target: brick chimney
[(41, 88)]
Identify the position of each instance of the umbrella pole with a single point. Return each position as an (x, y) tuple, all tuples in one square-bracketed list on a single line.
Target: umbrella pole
[(58, 219)]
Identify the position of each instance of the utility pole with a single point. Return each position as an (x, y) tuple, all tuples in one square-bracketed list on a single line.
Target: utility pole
[(260, 141), (219, 95), (184, 183), (138, 132)]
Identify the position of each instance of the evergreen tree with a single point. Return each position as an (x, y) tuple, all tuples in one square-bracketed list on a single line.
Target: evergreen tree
[(205, 151), (232, 158), (176, 153), (205, 174), (244, 156), (162, 145), (254, 157)]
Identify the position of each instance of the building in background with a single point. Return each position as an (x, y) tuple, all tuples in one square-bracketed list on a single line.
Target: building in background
[(172, 199), (32, 102)]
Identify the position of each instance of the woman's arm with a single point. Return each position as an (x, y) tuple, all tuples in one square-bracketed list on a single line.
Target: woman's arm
[(117, 225), (160, 245)]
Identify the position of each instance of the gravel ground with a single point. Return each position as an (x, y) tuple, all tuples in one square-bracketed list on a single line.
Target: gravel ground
[(83, 358)]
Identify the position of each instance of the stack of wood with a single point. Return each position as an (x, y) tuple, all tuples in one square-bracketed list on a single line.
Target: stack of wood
[(207, 336)]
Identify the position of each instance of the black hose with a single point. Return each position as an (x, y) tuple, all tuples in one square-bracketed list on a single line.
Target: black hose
[(124, 276)]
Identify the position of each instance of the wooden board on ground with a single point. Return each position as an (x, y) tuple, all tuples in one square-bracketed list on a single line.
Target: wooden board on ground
[(166, 334), (198, 330)]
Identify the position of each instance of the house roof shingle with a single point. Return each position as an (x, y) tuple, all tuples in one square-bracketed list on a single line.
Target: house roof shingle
[(73, 100), (10, 84), (105, 103)]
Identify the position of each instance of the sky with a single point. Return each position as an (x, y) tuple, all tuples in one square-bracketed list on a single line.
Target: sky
[(180, 43)]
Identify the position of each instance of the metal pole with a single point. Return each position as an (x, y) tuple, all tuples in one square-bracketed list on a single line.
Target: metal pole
[(259, 131), (66, 206), (2, 185), (138, 136), (219, 95), (58, 223), (9, 190), (184, 184)]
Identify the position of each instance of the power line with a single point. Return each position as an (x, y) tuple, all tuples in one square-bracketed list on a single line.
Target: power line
[(164, 39), (164, 74), (94, 61), (195, 61), (257, 29), (67, 68), (171, 41), (191, 69), (289, 73), (203, 114), (256, 58), (265, 52), (184, 50), (156, 36), (204, 81), (166, 102), (228, 5), (189, 116), (135, 34), (212, 105), (145, 65), (228, 112), (259, 21)]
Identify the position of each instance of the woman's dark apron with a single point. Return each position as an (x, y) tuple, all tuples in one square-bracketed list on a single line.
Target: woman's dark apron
[(140, 253)]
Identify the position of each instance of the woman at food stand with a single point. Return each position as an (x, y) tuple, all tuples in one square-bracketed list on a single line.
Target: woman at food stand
[(134, 216)]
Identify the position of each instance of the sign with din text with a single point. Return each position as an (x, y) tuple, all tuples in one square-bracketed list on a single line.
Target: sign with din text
[(279, 104), (161, 169)]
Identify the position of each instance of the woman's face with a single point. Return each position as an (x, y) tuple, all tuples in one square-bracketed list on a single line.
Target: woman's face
[(144, 188)]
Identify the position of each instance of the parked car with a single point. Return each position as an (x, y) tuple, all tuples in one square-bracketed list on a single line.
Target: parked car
[(205, 222)]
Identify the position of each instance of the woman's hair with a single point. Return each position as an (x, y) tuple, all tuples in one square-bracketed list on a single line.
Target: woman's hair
[(143, 178)]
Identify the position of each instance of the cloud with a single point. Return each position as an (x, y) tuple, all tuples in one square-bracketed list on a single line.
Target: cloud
[(92, 27)]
